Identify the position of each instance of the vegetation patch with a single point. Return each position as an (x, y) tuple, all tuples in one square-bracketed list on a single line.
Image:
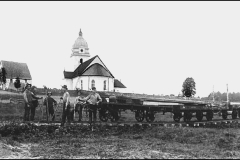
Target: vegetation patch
[(120, 142)]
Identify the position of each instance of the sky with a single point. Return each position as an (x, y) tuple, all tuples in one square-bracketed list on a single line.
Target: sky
[(152, 47)]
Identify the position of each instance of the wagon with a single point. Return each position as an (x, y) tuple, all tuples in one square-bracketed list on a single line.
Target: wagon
[(146, 108)]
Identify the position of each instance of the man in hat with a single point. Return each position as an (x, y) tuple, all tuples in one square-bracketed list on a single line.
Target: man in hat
[(27, 95), (79, 104), (49, 102), (34, 102), (66, 105), (93, 100)]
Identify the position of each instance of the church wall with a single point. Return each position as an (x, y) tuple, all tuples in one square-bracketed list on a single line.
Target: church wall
[(85, 82), (111, 81), (75, 60), (99, 83), (77, 82), (121, 90), (69, 83)]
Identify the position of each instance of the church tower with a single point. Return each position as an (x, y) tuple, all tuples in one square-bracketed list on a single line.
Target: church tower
[(80, 51)]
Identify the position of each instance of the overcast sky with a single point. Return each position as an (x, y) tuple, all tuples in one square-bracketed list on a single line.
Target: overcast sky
[(151, 46)]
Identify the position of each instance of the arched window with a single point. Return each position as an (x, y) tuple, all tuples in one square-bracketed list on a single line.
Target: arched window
[(105, 85), (81, 85), (93, 84)]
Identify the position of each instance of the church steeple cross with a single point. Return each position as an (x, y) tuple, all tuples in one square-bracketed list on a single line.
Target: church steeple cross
[(80, 32)]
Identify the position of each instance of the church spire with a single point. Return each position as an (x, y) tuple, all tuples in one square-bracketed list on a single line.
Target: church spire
[(80, 32)]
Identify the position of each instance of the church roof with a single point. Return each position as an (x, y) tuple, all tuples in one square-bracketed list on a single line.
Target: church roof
[(68, 75), (16, 69), (92, 70), (118, 84), (96, 70)]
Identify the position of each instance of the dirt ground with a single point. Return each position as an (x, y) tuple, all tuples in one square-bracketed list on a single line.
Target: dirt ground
[(119, 142), (19, 151)]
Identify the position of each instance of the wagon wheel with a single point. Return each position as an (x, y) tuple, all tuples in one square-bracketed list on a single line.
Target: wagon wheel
[(199, 115), (185, 119), (150, 116), (224, 114), (177, 117), (187, 116), (139, 115), (234, 114), (103, 115), (209, 115), (114, 116)]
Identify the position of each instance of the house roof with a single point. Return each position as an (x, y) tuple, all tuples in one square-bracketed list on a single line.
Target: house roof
[(118, 84), (82, 68), (16, 69)]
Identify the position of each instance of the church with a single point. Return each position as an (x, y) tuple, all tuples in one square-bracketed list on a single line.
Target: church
[(89, 71)]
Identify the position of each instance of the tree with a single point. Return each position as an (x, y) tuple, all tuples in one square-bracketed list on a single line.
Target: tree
[(189, 89), (17, 83), (3, 76), (45, 89)]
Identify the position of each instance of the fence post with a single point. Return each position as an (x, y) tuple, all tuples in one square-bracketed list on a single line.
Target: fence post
[(42, 111), (47, 108), (15, 111)]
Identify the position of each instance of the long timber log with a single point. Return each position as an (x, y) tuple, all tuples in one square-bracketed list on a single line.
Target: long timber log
[(146, 101)]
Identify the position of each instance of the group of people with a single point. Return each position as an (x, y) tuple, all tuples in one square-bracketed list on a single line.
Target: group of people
[(31, 103), (91, 102)]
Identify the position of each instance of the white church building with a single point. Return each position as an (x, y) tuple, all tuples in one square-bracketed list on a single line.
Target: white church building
[(89, 71)]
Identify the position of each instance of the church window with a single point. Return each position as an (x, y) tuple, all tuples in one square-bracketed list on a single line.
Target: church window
[(81, 85), (81, 61), (93, 83), (105, 85)]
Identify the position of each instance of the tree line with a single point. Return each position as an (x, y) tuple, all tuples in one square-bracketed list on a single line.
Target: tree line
[(189, 90), (218, 96)]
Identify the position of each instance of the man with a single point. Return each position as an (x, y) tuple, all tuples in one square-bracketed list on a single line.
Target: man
[(66, 104), (79, 104), (93, 100), (49, 102), (34, 102), (27, 95)]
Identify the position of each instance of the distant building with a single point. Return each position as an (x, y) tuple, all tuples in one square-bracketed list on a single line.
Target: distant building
[(89, 72), (14, 70)]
